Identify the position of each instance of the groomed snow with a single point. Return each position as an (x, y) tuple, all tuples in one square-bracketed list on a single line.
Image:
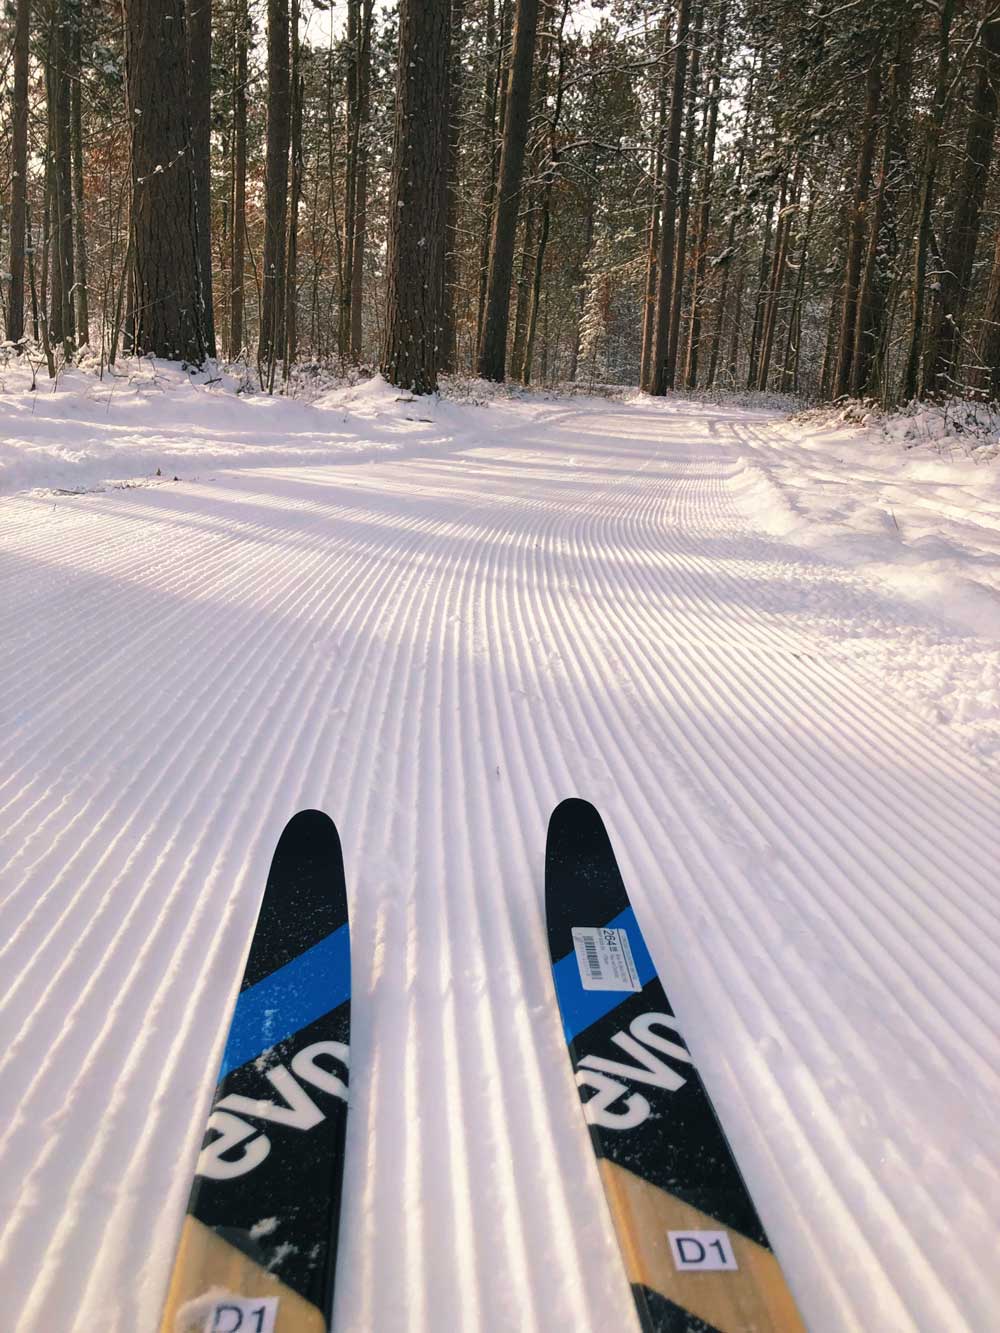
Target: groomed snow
[(434, 620)]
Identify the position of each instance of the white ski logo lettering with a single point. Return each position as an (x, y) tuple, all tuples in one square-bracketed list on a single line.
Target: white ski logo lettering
[(598, 1109), (297, 1110), (304, 1064), (301, 1112), (232, 1131), (593, 1071)]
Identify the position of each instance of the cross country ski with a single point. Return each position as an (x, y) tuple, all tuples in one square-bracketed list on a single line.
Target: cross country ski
[(695, 1250), (258, 1247)]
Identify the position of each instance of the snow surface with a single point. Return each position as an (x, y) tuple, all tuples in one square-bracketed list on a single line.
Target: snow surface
[(434, 620)]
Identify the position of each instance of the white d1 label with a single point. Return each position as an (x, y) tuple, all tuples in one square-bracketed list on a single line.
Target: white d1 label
[(604, 957), (240, 1314), (701, 1251)]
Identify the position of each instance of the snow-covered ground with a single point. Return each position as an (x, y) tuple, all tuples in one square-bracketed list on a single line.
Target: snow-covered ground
[(434, 620)]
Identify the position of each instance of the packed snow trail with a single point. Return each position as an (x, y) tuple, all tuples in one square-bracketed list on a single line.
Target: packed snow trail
[(435, 650)]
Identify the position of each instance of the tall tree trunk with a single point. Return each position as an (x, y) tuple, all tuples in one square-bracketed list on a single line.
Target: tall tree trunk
[(668, 222), (551, 167), (733, 357), (925, 202), (535, 293), (856, 227), (766, 260), (653, 233), (19, 171), (782, 241), (271, 339), (361, 183), (945, 342), (359, 25), (730, 248), (199, 39), (493, 347), (705, 202), (687, 175), (581, 289), (239, 228), (528, 250), (82, 303), (790, 364), (883, 241), (449, 337), (292, 262), (62, 322), (168, 317), (411, 354), (493, 110), (988, 370)]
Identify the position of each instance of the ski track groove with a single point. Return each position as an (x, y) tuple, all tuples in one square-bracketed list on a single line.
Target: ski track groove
[(436, 651)]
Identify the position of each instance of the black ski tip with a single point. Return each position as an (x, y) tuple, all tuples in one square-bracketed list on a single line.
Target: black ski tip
[(309, 824), (574, 808), (305, 898), (583, 886), (576, 831)]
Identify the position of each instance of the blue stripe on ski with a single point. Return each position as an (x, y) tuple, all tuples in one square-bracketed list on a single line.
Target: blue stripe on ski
[(581, 1007), (314, 984)]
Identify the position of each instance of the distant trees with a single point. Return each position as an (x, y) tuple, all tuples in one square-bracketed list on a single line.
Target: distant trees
[(776, 194)]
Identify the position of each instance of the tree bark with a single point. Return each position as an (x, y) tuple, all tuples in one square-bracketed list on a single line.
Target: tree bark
[(653, 241), (168, 313), (359, 27), (778, 267), (361, 184), (883, 240), (766, 260), (411, 354), (856, 228), (82, 302), (449, 337), (705, 203), (292, 263), (271, 341), (988, 370), (687, 176), (239, 227), (790, 364), (19, 171), (199, 46), (945, 342), (493, 347), (493, 107), (734, 215), (62, 322), (925, 203), (665, 255)]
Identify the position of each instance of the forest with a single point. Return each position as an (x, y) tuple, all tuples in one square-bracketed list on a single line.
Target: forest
[(709, 194)]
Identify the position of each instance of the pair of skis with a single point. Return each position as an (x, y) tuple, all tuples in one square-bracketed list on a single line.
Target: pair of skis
[(259, 1242)]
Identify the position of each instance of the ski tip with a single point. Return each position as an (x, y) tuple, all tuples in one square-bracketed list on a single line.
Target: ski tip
[(310, 828), (573, 821), (311, 820), (573, 808)]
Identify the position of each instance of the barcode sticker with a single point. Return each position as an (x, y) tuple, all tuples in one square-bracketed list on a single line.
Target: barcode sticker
[(237, 1314), (604, 957)]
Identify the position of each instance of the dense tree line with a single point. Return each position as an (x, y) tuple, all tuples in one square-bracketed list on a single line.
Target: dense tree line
[(753, 193)]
